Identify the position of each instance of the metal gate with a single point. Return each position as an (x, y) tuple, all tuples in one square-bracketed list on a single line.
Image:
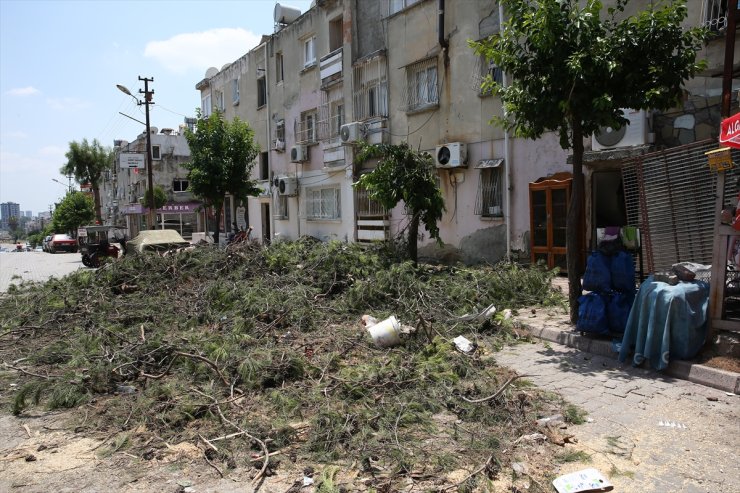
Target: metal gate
[(671, 196)]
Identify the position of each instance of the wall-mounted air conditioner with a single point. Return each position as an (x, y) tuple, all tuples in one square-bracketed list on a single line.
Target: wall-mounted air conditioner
[(634, 134), (452, 155), (351, 133), (299, 153), (287, 185)]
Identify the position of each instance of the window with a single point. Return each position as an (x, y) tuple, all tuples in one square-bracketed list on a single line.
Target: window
[(306, 127), (219, 97), (488, 202), (337, 117), (370, 97), (715, 15), (279, 73), (281, 207), (264, 167), (235, 91), (205, 106), (280, 132), (421, 85), (398, 5), (335, 34), (261, 92), (309, 51), (322, 204), (180, 185), (483, 69), (330, 114), (156, 152)]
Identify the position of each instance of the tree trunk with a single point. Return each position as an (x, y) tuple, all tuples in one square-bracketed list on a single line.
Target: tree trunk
[(216, 227), (96, 200), (574, 226), (413, 248)]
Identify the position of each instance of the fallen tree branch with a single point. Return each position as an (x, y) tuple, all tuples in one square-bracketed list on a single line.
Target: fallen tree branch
[(498, 392), (477, 471), (17, 368)]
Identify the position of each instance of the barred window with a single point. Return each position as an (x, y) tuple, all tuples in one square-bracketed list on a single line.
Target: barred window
[(715, 15), (488, 202), (370, 97), (235, 91), (421, 85), (323, 203), (483, 68), (205, 106), (305, 130), (330, 114)]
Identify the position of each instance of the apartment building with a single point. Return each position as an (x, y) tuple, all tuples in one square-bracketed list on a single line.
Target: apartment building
[(123, 189), (402, 71)]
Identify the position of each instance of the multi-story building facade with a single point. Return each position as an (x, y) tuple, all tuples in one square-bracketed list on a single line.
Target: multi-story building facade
[(8, 210), (123, 189), (402, 70)]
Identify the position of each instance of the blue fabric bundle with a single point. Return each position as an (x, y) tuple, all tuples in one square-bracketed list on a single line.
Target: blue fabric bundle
[(598, 273), (592, 314), (622, 270)]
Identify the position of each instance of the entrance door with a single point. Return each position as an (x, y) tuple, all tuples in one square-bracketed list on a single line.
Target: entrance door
[(265, 215), (548, 205)]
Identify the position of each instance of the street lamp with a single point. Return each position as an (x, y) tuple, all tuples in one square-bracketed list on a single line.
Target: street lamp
[(146, 102)]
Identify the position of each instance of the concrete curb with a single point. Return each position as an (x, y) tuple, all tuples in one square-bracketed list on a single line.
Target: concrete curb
[(685, 370)]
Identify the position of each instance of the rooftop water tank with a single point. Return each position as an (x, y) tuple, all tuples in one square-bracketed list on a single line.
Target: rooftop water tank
[(286, 15)]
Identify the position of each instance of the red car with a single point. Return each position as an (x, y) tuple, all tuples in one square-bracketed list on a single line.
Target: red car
[(63, 243)]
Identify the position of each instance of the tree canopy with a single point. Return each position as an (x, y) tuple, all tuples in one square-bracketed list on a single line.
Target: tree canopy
[(573, 66), (403, 174), (222, 157), (75, 210), (87, 162)]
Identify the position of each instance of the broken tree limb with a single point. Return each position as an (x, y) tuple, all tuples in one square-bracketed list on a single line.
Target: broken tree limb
[(477, 471), (498, 392)]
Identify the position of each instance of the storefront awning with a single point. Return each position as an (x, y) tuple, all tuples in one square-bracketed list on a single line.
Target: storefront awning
[(730, 132)]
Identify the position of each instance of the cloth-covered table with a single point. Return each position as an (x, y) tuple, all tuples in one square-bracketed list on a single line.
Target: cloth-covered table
[(666, 322)]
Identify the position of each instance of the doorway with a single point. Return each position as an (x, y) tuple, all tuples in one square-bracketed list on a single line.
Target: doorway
[(265, 216)]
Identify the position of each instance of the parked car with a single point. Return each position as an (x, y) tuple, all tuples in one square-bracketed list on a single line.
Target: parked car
[(62, 242), (38, 249), (45, 243)]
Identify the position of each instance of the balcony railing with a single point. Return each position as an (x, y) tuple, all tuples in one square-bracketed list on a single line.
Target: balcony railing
[(330, 66)]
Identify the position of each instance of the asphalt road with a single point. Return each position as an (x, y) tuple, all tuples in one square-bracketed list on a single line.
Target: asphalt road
[(16, 267)]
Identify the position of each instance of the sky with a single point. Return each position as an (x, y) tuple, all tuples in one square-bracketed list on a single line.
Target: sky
[(60, 62)]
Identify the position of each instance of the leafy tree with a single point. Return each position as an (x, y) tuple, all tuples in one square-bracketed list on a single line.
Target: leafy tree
[(72, 212), (13, 227), (160, 197), (572, 69), (86, 162), (222, 157), (403, 174)]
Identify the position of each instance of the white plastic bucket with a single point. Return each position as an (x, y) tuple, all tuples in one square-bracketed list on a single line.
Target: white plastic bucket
[(386, 333)]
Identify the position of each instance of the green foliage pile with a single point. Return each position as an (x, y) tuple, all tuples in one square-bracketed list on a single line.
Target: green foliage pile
[(270, 339)]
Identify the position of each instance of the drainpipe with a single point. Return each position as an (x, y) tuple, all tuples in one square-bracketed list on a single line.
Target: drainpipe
[(507, 160), (267, 129), (441, 24)]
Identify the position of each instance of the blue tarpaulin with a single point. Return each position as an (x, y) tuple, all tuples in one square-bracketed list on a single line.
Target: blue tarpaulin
[(666, 322)]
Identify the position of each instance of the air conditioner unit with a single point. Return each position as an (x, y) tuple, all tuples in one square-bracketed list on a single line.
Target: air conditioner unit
[(352, 132), (299, 153), (287, 185), (452, 155), (634, 134)]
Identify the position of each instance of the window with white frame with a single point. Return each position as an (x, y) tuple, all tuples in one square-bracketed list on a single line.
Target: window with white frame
[(235, 91), (331, 113), (156, 152), (323, 203), (715, 15), (309, 51), (421, 85), (305, 131), (180, 185), (205, 106), (489, 202)]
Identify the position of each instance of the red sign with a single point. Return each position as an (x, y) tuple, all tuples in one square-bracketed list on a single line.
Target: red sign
[(730, 132)]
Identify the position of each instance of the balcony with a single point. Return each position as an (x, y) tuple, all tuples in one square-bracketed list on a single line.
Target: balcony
[(330, 67)]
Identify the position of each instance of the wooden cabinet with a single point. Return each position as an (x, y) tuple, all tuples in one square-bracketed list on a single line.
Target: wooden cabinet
[(548, 208)]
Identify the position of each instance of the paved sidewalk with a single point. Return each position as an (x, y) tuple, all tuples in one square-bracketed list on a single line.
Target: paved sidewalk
[(626, 407), (35, 266)]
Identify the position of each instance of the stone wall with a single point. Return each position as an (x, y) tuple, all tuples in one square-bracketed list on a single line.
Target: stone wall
[(698, 119)]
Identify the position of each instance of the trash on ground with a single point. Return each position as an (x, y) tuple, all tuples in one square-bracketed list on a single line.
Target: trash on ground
[(386, 333), (506, 314), (672, 424), (520, 468), (463, 345), (307, 481), (556, 418), (485, 314), (585, 481)]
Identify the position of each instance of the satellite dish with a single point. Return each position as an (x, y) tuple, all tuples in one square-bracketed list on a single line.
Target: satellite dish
[(609, 137), (211, 72), (443, 155)]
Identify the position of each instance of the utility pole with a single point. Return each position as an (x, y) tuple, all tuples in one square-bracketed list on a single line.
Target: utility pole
[(730, 33), (149, 175)]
